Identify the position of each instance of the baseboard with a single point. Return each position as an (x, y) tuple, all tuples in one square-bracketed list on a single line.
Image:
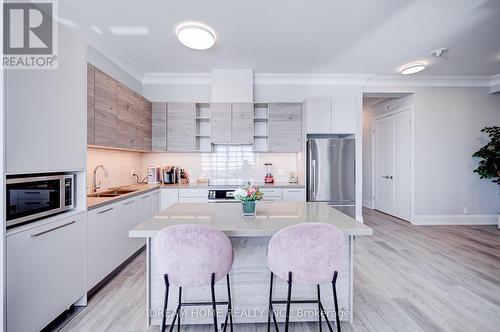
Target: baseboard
[(368, 203), (455, 219)]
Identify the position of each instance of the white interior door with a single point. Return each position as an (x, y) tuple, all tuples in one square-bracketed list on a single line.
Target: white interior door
[(392, 164)]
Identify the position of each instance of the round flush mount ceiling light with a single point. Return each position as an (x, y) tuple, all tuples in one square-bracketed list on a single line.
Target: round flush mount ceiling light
[(412, 68), (196, 35)]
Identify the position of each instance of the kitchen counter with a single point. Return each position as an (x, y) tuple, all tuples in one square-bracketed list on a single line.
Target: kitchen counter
[(212, 186), (139, 189), (142, 188), (271, 217), (249, 274)]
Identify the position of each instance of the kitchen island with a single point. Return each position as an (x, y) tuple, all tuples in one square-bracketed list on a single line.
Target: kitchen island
[(249, 275)]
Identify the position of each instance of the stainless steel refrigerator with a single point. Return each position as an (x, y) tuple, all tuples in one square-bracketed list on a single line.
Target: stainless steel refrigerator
[(331, 171)]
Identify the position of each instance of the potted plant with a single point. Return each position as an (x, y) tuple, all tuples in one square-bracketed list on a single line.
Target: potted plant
[(489, 165), (248, 195)]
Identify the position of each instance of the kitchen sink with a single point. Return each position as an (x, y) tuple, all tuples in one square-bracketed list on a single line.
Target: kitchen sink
[(112, 192), (103, 195)]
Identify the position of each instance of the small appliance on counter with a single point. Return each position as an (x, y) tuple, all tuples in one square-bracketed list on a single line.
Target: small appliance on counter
[(171, 174), (154, 175), (293, 178), (269, 173)]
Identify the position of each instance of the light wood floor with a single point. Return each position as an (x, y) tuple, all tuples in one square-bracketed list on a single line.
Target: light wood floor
[(407, 278)]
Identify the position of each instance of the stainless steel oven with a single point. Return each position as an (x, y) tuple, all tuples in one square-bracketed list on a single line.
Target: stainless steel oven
[(33, 197)]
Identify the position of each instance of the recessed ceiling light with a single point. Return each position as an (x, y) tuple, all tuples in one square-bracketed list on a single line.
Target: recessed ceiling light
[(412, 68), (196, 35)]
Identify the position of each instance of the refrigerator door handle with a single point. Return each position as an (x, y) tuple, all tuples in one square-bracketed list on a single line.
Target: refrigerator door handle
[(313, 166)]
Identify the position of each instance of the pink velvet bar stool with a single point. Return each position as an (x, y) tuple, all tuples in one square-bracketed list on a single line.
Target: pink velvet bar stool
[(192, 256), (308, 253)]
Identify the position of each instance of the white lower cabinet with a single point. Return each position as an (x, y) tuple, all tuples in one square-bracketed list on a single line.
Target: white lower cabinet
[(156, 202), (127, 219), (193, 195), (168, 196), (283, 194), (45, 272), (294, 195), (108, 241), (272, 194), (102, 250)]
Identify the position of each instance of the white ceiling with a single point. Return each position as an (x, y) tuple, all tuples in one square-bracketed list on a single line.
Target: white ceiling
[(297, 36)]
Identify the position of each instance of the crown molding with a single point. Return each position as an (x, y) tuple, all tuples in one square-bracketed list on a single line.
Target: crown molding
[(495, 83), (177, 78), (331, 79), (309, 79), (429, 81)]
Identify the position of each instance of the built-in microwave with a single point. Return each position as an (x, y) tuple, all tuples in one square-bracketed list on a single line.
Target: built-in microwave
[(33, 197)]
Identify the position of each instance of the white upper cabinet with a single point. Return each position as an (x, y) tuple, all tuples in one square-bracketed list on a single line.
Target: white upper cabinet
[(343, 115), (46, 113), (331, 115), (318, 115)]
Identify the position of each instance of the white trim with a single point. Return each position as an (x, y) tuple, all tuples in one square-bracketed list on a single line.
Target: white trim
[(429, 81), (308, 79), (177, 78), (368, 203), (329, 79), (122, 64), (495, 83), (495, 80), (455, 219)]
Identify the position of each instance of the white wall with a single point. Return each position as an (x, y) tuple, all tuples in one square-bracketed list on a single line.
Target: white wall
[(447, 124), (107, 66)]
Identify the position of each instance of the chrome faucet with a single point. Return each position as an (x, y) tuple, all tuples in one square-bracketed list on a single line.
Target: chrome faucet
[(96, 186)]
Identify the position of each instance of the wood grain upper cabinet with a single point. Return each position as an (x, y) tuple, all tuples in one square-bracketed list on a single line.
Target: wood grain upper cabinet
[(126, 134), (159, 127), (242, 123), (105, 110), (220, 117), (147, 109), (285, 127), (138, 122), (90, 104), (181, 127)]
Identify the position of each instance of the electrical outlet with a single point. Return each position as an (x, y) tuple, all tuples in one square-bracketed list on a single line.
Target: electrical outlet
[(466, 210)]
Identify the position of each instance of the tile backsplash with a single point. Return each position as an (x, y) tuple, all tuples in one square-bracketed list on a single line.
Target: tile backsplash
[(230, 164), (117, 163), (227, 164)]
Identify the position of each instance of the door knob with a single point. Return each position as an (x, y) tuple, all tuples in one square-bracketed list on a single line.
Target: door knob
[(390, 177)]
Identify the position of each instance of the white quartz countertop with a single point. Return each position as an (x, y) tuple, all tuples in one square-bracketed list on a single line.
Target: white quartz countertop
[(271, 217)]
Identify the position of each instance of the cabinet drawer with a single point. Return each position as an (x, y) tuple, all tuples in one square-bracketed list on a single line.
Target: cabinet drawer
[(203, 193), (193, 199), (45, 272), (271, 192), (294, 195), (272, 199)]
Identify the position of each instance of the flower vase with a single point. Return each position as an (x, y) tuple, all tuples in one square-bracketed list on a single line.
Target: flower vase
[(248, 208)]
